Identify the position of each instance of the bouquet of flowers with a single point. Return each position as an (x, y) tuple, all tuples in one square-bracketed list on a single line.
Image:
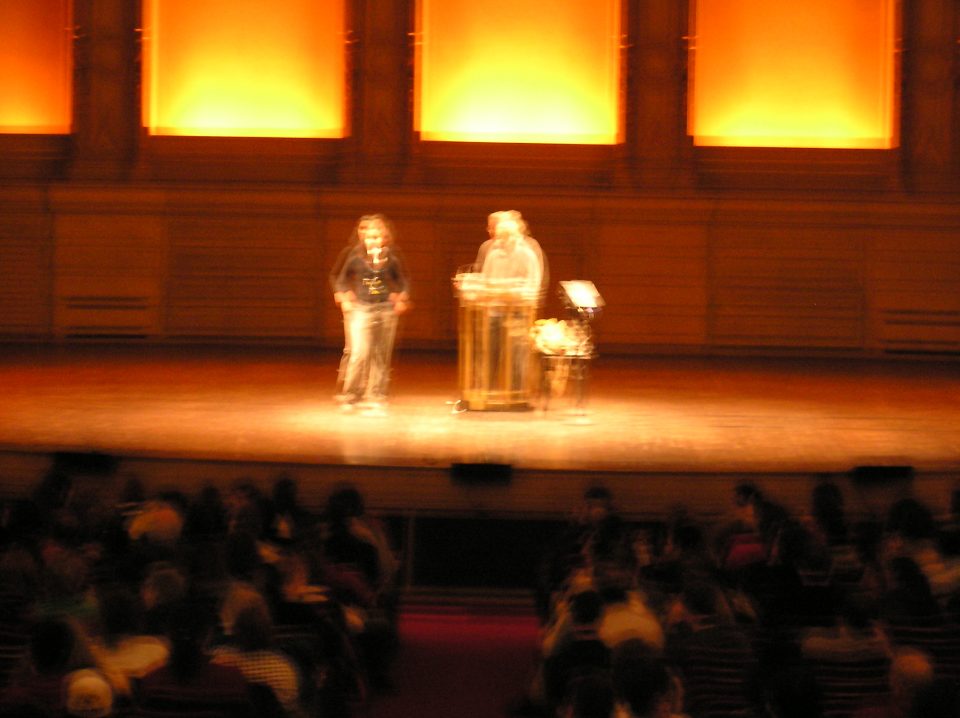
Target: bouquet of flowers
[(557, 337)]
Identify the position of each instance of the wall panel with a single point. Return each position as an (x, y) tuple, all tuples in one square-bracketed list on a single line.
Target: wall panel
[(785, 286), (243, 276), (914, 279), (25, 267), (653, 278)]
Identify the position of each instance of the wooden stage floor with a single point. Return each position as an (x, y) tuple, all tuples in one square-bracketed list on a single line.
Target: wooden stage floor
[(645, 414)]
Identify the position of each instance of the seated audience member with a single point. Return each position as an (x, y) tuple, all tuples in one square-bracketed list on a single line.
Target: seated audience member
[(163, 589), (356, 546), (159, 523), (707, 649), (912, 532), (625, 613), (66, 590), (54, 652), (206, 518), (792, 692), (121, 648), (569, 552), (939, 699), (911, 671), (252, 650), (578, 651), (291, 521), (190, 683), (589, 696), (643, 685), (908, 599), (854, 636), (88, 695)]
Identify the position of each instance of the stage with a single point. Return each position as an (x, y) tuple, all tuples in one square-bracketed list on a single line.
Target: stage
[(663, 429)]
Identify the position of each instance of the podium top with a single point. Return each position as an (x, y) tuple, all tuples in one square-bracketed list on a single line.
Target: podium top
[(475, 287)]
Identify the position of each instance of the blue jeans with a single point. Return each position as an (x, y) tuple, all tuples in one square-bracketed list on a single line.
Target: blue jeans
[(371, 329)]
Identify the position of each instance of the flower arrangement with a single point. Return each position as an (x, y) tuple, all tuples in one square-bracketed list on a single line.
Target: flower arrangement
[(558, 337)]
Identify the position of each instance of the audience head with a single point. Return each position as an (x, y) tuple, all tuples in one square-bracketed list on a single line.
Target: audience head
[(52, 643), (586, 607), (828, 512), (911, 670), (344, 503), (120, 614), (793, 692), (911, 520), (188, 631), (641, 680), (589, 696), (597, 505), (253, 626), (87, 695)]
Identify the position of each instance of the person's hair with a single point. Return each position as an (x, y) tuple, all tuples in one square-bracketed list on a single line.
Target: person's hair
[(285, 493), (827, 506), (120, 613), (640, 679), (702, 599), (167, 582), (385, 225), (190, 625), (746, 493), (51, 645), (585, 607), (598, 493), (345, 502), (253, 627), (590, 695), (793, 692), (911, 519)]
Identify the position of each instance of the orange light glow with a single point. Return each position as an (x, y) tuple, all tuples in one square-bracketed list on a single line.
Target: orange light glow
[(808, 73), (518, 71), (244, 68), (35, 67)]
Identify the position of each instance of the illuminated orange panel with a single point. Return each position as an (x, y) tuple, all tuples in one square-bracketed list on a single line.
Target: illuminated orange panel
[(807, 73), (518, 71), (35, 67), (244, 68)]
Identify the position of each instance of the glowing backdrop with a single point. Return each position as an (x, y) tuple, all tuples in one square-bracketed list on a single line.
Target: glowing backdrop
[(35, 66), (807, 73), (518, 71), (244, 68)]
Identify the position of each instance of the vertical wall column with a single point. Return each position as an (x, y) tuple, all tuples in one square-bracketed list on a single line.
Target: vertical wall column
[(106, 108), (381, 82), (930, 100), (660, 151)]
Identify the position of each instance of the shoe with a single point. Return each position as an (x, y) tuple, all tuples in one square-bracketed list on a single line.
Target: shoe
[(374, 408)]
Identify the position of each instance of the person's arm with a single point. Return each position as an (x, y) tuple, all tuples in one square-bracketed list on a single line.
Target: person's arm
[(400, 282), (343, 295)]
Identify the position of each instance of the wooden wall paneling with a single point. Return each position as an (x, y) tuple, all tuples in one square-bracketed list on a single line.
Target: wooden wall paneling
[(914, 290), (429, 282), (653, 278), (108, 278), (25, 260), (785, 286), (236, 275)]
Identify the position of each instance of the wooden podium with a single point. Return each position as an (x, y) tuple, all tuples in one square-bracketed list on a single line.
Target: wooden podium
[(496, 362)]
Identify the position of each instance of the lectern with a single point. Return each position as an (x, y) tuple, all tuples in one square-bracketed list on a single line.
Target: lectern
[(495, 350)]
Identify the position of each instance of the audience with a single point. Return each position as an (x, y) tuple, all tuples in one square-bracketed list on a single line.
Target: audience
[(254, 604)]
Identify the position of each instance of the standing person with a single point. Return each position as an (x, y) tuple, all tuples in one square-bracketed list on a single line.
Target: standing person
[(372, 290), (512, 267), (494, 219)]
